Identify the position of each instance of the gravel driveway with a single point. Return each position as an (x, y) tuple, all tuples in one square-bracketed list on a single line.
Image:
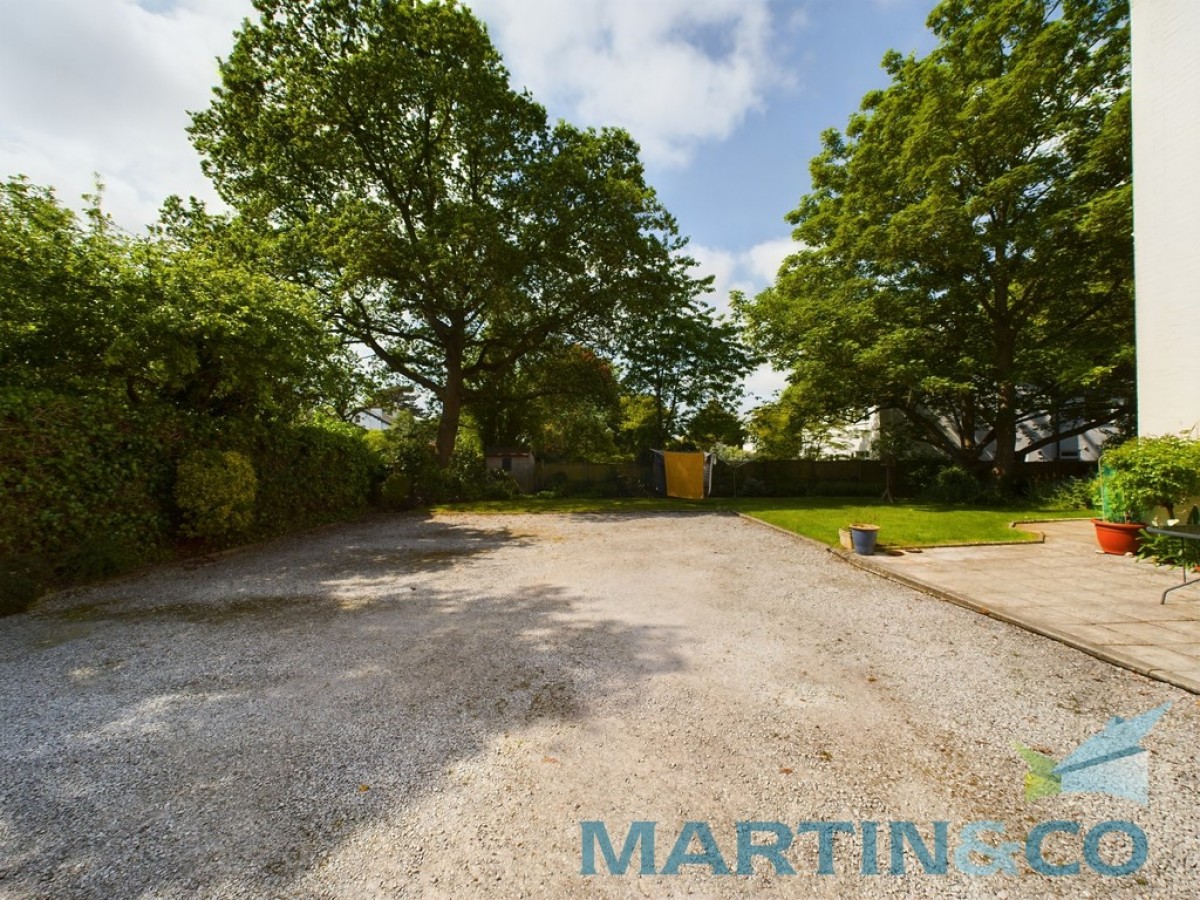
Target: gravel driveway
[(432, 707)]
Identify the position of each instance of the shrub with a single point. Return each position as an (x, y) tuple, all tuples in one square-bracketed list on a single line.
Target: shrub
[(1069, 493), (753, 487), (954, 484), (21, 583), (86, 487), (330, 459), (501, 485), (407, 448), (396, 492), (1149, 472), (1170, 551), (465, 479), (90, 484), (215, 490)]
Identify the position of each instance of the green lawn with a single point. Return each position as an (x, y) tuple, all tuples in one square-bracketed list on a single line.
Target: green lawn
[(906, 524), (579, 505)]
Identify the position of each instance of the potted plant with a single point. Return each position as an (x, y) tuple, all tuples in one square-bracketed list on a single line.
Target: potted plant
[(1137, 478), (863, 537)]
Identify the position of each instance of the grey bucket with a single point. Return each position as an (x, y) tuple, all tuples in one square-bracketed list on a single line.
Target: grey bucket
[(864, 537)]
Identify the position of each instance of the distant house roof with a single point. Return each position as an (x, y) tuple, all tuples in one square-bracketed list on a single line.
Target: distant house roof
[(375, 419), (508, 451)]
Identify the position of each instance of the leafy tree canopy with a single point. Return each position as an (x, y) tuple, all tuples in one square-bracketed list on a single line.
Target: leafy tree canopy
[(183, 315), (966, 249), (683, 357), (715, 424), (447, 226), (564, 404)]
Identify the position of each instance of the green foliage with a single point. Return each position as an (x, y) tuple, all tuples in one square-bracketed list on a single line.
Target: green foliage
[(215, 491), (790, 427), (966, 250), (212, 331), (82, 479), (64, 291), (453, 230), (1171, 551), (1069, 493), (1149, 472), (407, 449), (467, 479), (956, 485), (119, 355), (310, 473), (715, 424), (683, 358), (21, 583), (564, 404), (397, 491), (89, 483), (186, 315)]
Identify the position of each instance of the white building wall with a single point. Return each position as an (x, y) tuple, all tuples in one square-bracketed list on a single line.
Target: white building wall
[(1166, 212)]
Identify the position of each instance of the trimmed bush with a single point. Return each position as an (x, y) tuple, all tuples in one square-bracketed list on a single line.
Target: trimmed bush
[(310, 474), (215, 490), (93, 487), (84, 481), (396, 492), (954, 484)]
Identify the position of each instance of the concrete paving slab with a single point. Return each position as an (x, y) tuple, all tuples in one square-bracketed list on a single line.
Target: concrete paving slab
[(1107, 606)]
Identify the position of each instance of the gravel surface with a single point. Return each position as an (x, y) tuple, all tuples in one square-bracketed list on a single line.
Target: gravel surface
[(431, 707)]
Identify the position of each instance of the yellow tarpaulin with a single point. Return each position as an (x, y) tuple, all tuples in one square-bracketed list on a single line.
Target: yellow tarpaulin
[(685, 475)]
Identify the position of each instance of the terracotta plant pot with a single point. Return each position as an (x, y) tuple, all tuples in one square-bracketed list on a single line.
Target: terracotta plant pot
[(1118, 538)]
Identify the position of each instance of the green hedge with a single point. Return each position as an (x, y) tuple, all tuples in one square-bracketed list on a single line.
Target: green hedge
[(89, 483), (310, 474), (83, 481), (216, 491)]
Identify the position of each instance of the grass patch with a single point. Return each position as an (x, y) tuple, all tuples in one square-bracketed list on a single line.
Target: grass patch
[(907, 524), (578, 505)]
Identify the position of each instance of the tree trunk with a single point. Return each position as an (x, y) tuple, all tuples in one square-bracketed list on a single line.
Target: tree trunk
[(1004, 461), (452, 402)]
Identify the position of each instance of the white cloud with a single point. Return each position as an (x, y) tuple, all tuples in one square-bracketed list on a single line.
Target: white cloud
[(748, 271), (763, 260), (761, 386), (675, 73), (104, 87)]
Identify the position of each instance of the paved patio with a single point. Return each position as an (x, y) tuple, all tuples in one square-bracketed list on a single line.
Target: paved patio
[(1064, 588)]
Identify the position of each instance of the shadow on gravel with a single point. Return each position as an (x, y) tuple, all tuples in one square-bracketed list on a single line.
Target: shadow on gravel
[(223, 731)]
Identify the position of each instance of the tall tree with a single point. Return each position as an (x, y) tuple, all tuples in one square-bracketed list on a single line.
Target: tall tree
[(683, 356), (715, 424), (967, 246), (564, 404), (449, 228)]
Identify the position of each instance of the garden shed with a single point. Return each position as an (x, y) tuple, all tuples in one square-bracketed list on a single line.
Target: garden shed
[(517, 461)]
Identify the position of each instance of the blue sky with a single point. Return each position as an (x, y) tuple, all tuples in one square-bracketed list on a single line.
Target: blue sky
[(727, 98)]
